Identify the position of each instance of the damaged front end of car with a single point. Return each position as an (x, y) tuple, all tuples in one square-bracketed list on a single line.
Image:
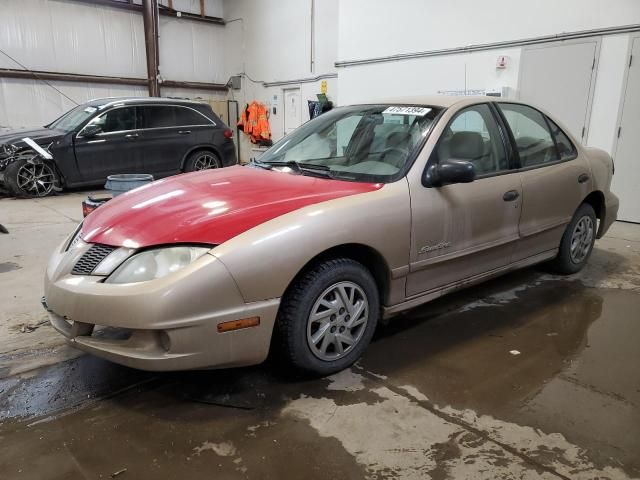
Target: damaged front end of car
[(26, 169)]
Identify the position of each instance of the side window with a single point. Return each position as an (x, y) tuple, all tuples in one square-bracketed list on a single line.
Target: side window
[(116, 120), (187, 117), (566, 149), (533, 139), (473, 136), (157, 116)]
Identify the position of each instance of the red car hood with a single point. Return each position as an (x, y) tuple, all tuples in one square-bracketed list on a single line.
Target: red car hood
[(208, 207)]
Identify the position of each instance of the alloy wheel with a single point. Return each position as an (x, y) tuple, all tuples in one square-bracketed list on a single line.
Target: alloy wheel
[(581, 239), (35, 179), (204, 162), (337, 321)]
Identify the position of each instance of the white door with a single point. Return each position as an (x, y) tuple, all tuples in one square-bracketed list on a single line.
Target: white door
[(559, 78), (292, 110), (626, 181)]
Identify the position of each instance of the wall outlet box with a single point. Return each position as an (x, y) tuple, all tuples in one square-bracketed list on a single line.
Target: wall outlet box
[(235, 82)]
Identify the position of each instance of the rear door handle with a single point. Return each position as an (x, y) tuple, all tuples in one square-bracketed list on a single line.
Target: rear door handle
[(184, 132), (131, 135), (510, 196), (583, 178)]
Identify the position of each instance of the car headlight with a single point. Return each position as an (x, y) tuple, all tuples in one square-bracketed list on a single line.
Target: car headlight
[(152, 264)]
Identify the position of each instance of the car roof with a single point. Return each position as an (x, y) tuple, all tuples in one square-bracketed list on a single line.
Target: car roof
[(98, 102), (444, 101)]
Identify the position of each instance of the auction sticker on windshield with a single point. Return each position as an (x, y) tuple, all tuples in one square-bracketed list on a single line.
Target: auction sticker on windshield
[(417, 111)]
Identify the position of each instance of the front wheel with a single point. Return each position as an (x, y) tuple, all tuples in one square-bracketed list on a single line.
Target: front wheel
[(27, 178), (327, 318), (577, 241)]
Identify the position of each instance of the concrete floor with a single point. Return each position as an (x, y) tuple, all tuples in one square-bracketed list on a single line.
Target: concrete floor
[(439, 393)]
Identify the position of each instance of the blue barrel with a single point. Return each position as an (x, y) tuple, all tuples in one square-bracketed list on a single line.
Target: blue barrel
[(118, 184)]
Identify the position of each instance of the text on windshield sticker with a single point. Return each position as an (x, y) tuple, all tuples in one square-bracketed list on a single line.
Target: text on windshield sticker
[(417, 111)]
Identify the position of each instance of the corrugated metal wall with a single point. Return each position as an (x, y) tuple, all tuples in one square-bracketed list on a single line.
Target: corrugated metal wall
[(71, 37)]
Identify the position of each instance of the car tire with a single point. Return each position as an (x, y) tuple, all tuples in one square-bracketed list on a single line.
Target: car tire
[(202, 160), (577, 241), (28, 179), (321, 300)]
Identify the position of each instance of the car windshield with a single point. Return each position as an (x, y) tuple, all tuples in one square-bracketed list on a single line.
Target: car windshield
[(358, 143), (73, 118)]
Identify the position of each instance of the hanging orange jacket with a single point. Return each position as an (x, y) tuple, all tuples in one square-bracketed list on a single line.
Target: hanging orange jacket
[(254, 122), (263, 128)]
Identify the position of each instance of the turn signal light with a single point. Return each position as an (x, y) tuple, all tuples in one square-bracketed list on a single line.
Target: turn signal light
[(238, 324), (228, 133)]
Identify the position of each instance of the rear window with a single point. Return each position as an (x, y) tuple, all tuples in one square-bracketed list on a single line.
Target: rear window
[(160, 116)]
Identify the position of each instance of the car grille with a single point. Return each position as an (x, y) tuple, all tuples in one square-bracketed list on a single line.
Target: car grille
[(91, 258)]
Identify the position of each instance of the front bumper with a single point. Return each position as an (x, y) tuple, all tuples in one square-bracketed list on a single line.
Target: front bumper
[(165, 324)]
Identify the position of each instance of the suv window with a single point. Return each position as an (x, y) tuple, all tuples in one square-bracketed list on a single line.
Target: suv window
[(473, 135), (161, 116), (187, 117), (117, 120), (531, 133)]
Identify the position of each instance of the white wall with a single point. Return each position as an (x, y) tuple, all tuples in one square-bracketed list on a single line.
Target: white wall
[(372, 28), (270, 41), (424, 76), (72, 37)]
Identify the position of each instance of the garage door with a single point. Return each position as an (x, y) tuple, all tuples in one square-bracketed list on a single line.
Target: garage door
[(559, 78), (627, 157)]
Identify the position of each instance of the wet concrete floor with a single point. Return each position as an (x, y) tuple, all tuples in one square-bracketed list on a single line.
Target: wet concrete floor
[(526, 376)]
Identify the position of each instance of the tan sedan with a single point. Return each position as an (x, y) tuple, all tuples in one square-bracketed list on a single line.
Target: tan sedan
[(361, 213)]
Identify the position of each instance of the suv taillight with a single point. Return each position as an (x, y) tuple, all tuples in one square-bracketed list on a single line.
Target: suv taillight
[(228, 133)]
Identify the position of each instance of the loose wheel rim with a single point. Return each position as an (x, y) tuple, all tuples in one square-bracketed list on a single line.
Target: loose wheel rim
[(581, 239), (204, 162), (36, 179), (337, 321)]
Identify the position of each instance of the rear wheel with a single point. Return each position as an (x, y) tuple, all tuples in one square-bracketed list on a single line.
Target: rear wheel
[(577, 241), (327, 318), (202, 160), (31, 178)]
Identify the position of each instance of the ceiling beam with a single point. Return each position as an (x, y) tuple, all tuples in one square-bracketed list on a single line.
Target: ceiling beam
[(103, 79), (166, 11)]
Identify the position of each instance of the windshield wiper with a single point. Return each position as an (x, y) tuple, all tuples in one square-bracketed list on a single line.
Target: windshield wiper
[(258, 163), (305, 167)]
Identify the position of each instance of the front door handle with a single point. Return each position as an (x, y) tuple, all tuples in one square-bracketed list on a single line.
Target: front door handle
[(510, 196), (184, 132), (583, 178), (131, 135)]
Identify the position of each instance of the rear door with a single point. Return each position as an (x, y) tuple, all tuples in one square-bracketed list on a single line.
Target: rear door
[(555, 179), (169, 132), (116, 149), (464, 230)]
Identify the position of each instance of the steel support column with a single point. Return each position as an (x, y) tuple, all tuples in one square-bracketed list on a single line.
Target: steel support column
[(150, 16)]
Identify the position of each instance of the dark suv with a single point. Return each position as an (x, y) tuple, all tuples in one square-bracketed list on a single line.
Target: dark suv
[(161, 136)]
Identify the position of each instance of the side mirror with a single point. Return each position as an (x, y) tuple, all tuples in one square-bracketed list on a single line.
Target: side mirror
[(91, 130), (451, 171)]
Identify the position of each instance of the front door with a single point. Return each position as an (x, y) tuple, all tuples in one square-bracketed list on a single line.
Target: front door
[(555, 179), (464, 230), (292, 110), (627, 178), (114, 150)]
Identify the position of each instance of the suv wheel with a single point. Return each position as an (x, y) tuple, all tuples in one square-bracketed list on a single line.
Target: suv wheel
[(327, 318), (27, 179), (577, 241), (202, 160)]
